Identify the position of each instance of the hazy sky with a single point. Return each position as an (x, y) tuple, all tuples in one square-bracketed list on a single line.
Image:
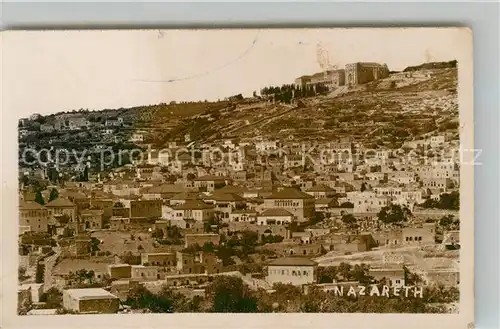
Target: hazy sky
[(52, 71)]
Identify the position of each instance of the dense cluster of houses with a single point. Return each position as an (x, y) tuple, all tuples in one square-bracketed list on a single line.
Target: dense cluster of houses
[(278, 189)]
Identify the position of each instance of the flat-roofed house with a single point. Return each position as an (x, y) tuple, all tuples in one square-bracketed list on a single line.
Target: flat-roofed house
[(419, 235), (119, 271), (321, 191), (292, 270), (194, 209), (394, 275), (159, 258), (92, 219), (210, 182), (90, 300), (142, 272), (145, 208), (198, 263), (243, 215)]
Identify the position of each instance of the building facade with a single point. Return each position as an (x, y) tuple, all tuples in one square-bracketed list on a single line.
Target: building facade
[(292, 270), (361, 73)]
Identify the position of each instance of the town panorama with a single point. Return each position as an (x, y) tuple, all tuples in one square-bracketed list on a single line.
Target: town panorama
[(337, 192)]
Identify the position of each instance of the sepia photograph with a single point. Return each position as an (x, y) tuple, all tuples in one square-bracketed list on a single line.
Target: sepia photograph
[(242, 171)]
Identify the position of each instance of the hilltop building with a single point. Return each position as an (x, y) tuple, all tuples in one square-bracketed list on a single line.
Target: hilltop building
[(362, 72)]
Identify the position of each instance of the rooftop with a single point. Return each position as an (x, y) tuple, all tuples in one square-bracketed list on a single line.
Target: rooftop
[(289, 193), (193, 204), (320, 188), (60, 202), (221, 196), (293, 261), (30, 205), (186, 196), (211, 178), (167, 188), (90, 293), (276, 212)]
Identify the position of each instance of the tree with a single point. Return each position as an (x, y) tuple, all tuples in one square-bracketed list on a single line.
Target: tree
[(327, 274), (411, 278), (39, 198), (40, 269), (142, 298), (394, 214), (349, 220), (318, 217), (54, 194), (360, 272), (345, 270), (363, 187), (94, 244), (174, 234), (21, 273), (446, 221), (52, 299), (229, 294), (157, 234)]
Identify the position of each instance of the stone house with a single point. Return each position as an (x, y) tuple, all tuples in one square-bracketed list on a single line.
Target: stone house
[(92, 219), (298, 203), (90, 300), (201, 239), (194, 209), (275, 216), (198, 263), (33, 217), (394, 275), (292, 270), (119, 271)]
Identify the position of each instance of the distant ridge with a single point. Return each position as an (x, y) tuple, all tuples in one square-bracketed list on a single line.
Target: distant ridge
[(432, 65)]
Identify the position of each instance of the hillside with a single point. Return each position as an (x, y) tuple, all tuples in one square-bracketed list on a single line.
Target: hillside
[(432, 66), (385, 112)]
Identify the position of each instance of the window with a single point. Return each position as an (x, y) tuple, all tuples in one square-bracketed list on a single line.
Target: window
[(305, 273), (398, 281), (282, 272)]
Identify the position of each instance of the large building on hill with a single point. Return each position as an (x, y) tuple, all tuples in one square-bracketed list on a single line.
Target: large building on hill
[(362, 72), (331, 79), (353, 74)]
